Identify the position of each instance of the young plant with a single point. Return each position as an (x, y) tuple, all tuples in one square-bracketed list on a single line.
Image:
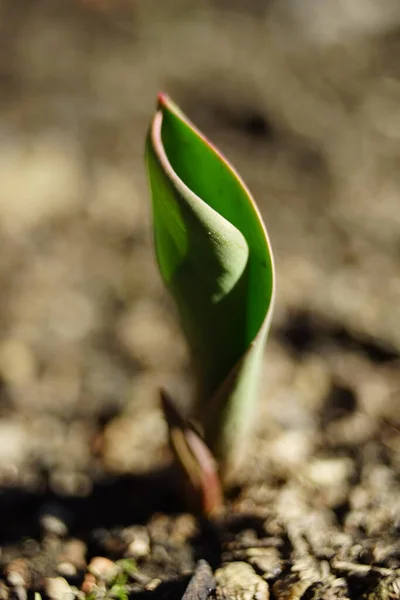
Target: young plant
[(215, 258)]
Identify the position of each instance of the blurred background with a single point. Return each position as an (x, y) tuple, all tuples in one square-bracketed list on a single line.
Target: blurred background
[(303, 97)]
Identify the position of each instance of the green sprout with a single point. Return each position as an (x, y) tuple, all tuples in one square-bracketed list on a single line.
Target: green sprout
[(214, 256)]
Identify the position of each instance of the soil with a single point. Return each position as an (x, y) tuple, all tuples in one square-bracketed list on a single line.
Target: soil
[(304, 101)]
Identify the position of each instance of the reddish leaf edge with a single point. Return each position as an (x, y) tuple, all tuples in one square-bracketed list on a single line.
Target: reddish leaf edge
[(199, 469)]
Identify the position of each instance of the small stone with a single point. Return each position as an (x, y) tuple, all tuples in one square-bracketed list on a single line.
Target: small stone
[(292, 448), (153, 584), (290, 587), (184, 527), (51, 524), (100, 570), (88, 584), (71, 315), (15, 579), (54, 519), (133, 444), (266, 560), (74, 552), (58, 588), (13, 443), (329, 471), (103, 568), (17, 573), (52, 182), (137, 540), (138, 548), (17, 362), (145, 333), (4, 591), (66, 569), (239, 581)]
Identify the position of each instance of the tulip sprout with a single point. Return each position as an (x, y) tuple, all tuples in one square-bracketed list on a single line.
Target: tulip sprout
[(214, 256)]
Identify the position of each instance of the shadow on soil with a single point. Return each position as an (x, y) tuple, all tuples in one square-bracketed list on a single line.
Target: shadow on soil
[(304, 333), (113, 502)]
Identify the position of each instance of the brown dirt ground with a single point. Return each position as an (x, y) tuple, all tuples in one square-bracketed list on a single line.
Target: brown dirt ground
[(304, 100)]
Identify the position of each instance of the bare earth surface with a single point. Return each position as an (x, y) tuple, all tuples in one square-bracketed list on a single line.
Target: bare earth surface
[(304, 99)]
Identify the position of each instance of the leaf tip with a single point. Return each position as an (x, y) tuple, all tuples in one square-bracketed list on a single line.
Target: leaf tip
[(162, 100)]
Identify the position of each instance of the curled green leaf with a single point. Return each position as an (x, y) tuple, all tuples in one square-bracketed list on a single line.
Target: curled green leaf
[(215, 258)]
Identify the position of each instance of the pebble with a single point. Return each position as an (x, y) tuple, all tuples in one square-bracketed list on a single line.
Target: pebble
[(17, 573), (134, 444), (17, 362), (55, 519), (291, 449), (239, 581), (290, 587), (145, 332), (51, 524), (100, 570), (153, 585), (15, 579), (50, 187), (58, 588), (137, 540), (138, 548), (89, 584), (4, 591), (74, 552), (184, 528), (268, 561), (103, 568), (66, 569), (14, 440), (325, 472)]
